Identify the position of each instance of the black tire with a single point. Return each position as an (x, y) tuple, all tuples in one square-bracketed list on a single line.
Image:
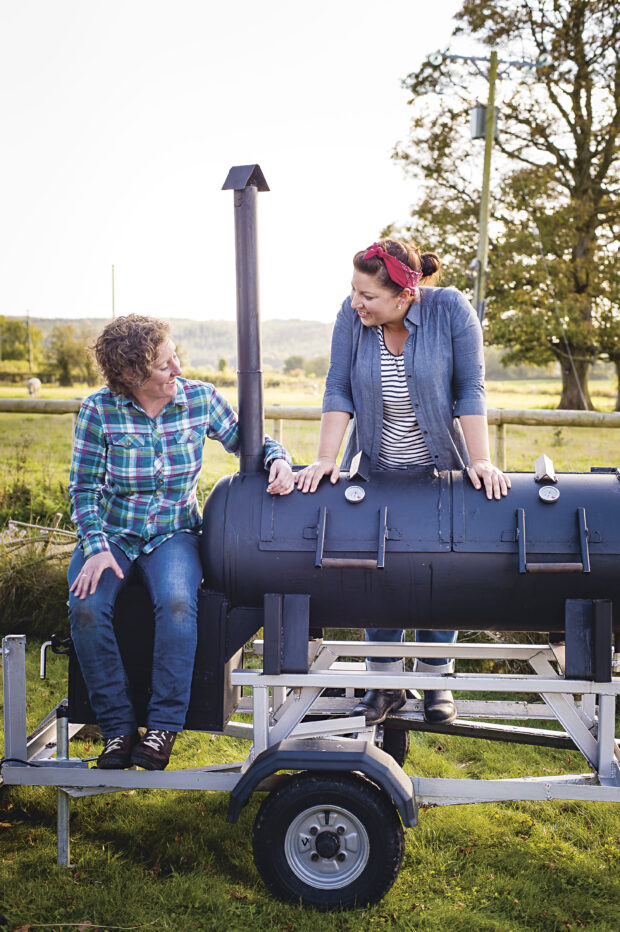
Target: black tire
[(396, 743), (300, 858)]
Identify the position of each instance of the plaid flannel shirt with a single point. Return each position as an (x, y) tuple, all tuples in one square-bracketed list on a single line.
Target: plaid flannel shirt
[(133, 478)]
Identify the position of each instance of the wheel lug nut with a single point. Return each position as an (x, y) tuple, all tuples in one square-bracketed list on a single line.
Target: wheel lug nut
[(313, 830), (314, 856), (341, 829), (341, 856)]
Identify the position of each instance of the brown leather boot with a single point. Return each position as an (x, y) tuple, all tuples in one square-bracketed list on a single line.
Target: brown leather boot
[(153, 751)]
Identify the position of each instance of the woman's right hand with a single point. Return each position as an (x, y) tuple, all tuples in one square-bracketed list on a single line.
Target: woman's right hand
[(308, 479), (88, 578)]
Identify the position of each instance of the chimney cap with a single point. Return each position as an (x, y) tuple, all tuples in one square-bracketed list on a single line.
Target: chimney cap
[(243, 176)]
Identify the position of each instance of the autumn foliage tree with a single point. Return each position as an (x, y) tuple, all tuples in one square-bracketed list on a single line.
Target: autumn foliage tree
[(553, 285)]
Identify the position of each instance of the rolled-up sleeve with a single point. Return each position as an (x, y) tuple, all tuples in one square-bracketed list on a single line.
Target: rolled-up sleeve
[(338, 395), (223, 425), (468, 373), (87, 479)]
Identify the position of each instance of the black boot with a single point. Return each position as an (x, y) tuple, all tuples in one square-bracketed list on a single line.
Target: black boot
[(116, 754), (439, 707), (377, 703)]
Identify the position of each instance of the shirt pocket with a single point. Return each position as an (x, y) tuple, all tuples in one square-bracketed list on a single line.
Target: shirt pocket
[(184, 456), (127, 441), (189, 435), (125, 459)]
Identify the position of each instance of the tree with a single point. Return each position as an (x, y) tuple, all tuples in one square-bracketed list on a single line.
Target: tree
[(68, 357), (553, 270), (14, 339), (291, 363)]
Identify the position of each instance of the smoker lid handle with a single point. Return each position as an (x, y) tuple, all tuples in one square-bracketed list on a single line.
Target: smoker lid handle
[(322, 562)]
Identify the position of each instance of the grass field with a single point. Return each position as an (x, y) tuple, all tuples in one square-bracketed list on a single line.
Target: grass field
[(35, 450), (169, 861)]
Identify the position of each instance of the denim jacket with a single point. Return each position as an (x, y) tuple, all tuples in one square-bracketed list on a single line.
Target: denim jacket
[(444, 365)]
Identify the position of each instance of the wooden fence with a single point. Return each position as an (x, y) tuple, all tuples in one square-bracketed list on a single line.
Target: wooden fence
[(498, 417)]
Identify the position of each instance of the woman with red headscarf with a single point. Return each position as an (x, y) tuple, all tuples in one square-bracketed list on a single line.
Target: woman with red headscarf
[(406, 377)]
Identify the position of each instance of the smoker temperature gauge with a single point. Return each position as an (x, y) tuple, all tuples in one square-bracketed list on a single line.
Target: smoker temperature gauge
[(354, 493), (548, 493)]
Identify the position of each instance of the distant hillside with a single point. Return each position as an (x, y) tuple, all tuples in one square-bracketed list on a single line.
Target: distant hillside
[(204, 343)]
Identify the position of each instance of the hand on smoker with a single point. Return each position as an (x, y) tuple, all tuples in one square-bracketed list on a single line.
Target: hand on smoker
[(308, 479), (495, 482), (87, 580), (281, 481)]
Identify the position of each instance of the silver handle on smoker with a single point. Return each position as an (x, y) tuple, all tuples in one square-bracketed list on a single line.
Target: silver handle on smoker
[(582, 567), (322, 562)]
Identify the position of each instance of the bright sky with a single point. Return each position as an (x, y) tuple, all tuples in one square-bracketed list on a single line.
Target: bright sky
[(121, 118)]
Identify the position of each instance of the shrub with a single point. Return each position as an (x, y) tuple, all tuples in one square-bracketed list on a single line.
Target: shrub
[(20, 502), (33, 583)]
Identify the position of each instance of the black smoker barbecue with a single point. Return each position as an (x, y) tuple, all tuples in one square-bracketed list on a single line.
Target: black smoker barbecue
[(422, 549)]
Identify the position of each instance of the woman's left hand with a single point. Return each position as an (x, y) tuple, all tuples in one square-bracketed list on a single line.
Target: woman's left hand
[(280, 478), (495, 482)]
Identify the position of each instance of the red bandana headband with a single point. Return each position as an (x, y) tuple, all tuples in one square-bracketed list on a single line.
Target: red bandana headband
[(400, 273)]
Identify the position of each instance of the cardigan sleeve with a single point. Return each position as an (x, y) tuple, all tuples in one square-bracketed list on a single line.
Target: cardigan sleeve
[(338, 395), (468, 373)]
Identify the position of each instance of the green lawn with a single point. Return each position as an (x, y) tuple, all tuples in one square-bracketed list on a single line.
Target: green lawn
[(169, 861)]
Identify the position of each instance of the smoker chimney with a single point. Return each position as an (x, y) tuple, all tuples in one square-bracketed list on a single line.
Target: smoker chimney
[(246, 181)]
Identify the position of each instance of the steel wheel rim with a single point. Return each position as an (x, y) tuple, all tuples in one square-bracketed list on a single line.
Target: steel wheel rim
[(327, 826)]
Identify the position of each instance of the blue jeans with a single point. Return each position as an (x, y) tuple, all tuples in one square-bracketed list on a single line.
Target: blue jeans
[(423, 637), (172, 574)]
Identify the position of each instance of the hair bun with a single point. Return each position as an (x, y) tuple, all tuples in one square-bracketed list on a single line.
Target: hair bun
[(431, 264)]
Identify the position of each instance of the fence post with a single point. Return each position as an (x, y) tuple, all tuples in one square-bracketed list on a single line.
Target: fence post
[(500, 445), (277, 429), (56, 521)]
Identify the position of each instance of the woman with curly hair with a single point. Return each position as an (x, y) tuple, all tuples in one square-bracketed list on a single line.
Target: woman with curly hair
[(137, 456)]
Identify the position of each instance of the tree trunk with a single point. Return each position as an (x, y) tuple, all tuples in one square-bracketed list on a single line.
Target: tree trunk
[(575, 391)]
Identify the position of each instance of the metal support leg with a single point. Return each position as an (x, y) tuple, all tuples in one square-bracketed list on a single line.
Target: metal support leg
[(588, 706), (260, 715), (567, 713), (278, 697), (606, 738), (299, 701), (14, 675), (63, 799)]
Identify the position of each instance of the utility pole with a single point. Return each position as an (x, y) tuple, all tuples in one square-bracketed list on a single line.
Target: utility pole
[(479, 265), (482, 255), (29, 342)]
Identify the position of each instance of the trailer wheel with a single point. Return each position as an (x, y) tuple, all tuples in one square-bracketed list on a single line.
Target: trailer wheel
[(328, 840), (396, 743)]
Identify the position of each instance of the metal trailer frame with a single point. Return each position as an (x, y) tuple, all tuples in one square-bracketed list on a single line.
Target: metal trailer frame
[(281, 704)]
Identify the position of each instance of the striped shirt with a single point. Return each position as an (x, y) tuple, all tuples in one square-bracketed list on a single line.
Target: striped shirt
[(402, 443), (133, 478)]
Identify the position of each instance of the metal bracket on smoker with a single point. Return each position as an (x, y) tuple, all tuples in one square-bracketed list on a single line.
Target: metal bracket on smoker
[(286, 629), (544, 470), (322, 562), (583, 567), (360, 467), (589, 639)]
